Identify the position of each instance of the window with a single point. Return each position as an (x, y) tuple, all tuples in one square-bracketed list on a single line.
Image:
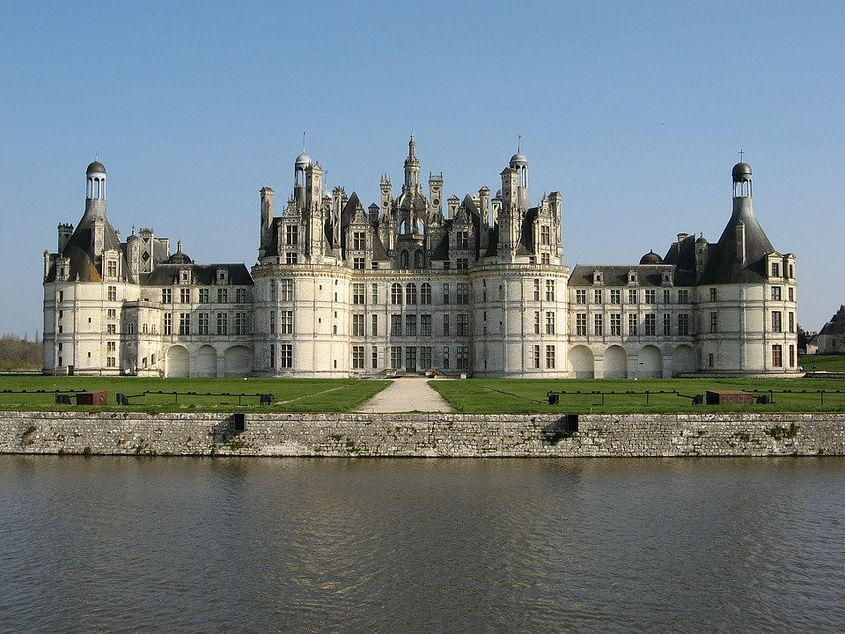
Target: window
[(683, 296), (536, 290), (667, 324), (112, 268), (777, 354), (357, 357), (410, 325), (185, 295), (425, 293), (632, 296), (291, 257), (286, 290), (395, 293), (358, 293), (777, 325), (790, 293), (545, 235), (546, 259), (241, 324), (425, 326), (714, 322), (791, 322), (286, 352), (791, 356), (358, 263), (775, 293), (462, 293), (445, 357), (536, 322), (615, 296), (550, 290), (168, 324), (291, 234), (445, 325), (113, 293), (111, 313), (425, 357), (598, 324), (650, 296), (375, 357), (597, 296), (776, 272), (410, 293), (395, 357), (536, 357), (204, 293), (240, 295), (581, 324), (286, 322), (111, 362), (396, 325), (581, 296), (202, 323), (462, 240), (222, 323), (550, 323), (446, 293), (359, 241), (411, 358), (550, 357), (462, 325), (462, 263), (222, 295), (666, 294), (462, 357), (374, 294), (714, 294), (650, 325), (374, 265), (375, 325), (110, 346), (184, 323), (683, 324), (632, 325), (615, 324)]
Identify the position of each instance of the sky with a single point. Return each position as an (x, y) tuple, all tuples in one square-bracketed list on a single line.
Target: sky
[(635, 111)]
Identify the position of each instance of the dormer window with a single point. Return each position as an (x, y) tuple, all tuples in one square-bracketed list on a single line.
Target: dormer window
[(184, 276), (667, 277), (632, 277), (222, 276), (598, 277)]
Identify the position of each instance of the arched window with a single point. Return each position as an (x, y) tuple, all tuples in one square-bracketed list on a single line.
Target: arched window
[(395, 293), (411, 293), (418, 259)]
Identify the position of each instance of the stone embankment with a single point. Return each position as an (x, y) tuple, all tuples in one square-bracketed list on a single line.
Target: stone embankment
[(422, 435)]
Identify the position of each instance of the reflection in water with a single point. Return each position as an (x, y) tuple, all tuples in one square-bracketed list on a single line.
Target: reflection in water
[(245, 544)]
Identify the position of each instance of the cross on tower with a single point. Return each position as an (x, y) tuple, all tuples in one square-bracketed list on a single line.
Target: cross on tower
[(740, 156)]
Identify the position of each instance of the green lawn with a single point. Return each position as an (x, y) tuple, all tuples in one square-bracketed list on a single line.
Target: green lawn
[(627, 396), (822, 362), (290, 395)]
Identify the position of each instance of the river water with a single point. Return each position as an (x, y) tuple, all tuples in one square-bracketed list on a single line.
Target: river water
[(191, 544)]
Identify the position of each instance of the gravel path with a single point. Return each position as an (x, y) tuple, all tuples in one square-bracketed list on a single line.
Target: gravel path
[(407, 394)]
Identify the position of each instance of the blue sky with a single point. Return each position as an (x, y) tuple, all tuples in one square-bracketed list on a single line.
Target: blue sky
[(634, 111)]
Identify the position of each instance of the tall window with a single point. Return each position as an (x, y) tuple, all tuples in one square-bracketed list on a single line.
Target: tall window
[(615, 324), (286, 322), (650, 325), (445, 325), (632, 296), (463, 325), (204, 294), (683, 296), (166, 296), (777, 355), (358, 293), (632, 324), (777, 326), (358, 327), (168, 324), (222, 323), (550, 357), (411, 358), (714, 322), (291, 234), (791, 322), (462, 294), (462, 361), (536, 358), (410, 293), (395, 293), (581, 296), (667, 324), (714, 294), (184, 323), (650, 296), (462, 240), (425, 326), (683, 324), (446, 293), (597, 296), (374, 324), (375, 357), (598, 324), (202, 323), (775, 271), (185, 295), (222, 295), (445, 357), (374, 294), (425, 357), (359, 241), (550, 290), (581, 324), (286, 350), (358, 263), (357, 357), (241, 324), (395, 357), (536, 322), (425, 293), (615, 296), (545, 235), (410, 325), (396, 325), (775, 293), (112, 293), (550, 323), (462, 263), (536, 290), (286, 290)]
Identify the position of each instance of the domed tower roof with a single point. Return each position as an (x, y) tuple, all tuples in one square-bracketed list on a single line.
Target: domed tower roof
[(95, 168), (303, 160), (741, 173), (518, 160), (180, 257), (651, 258)]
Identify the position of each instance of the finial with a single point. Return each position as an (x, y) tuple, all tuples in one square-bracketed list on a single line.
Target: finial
[(303, 141), (518, 142), (740, 155)]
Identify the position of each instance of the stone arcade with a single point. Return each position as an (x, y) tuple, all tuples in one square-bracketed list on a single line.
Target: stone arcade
[(416, 283)]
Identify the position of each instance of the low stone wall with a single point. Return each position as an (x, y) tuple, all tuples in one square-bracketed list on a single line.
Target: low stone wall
[(423, 435)]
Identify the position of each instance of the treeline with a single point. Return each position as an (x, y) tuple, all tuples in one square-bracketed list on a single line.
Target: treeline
[(20, 354)]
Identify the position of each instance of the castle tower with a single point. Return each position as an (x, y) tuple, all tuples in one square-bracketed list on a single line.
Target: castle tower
[(412, 168), (95, 204), (303, 162), (519, 163)]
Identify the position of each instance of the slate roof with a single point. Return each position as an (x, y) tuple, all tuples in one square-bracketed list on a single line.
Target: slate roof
[(836, 325), (202, 274), (723, 266), (649, 275)]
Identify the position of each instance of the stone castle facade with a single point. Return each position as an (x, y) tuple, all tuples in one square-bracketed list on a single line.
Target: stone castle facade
[(416, 283)]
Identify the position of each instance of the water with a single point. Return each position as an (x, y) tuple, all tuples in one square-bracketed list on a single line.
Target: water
[(183, 544)]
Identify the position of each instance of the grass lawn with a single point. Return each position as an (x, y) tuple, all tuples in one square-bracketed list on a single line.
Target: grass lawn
[(822, 362), (628, 396), (235, 394)]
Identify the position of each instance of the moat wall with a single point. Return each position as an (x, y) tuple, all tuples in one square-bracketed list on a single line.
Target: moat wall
[(423, 435)]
